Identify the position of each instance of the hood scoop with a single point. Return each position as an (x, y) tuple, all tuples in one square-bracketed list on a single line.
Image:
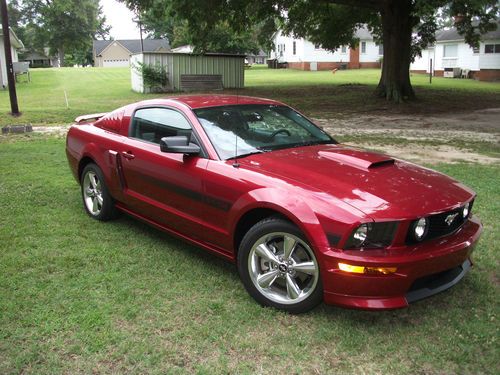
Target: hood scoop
[(358, 159)]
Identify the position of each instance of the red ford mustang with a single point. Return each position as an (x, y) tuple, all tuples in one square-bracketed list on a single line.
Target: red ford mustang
[(305, 218)]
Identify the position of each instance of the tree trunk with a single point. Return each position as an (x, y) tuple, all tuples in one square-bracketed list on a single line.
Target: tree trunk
[(60, 53), (397, 25)]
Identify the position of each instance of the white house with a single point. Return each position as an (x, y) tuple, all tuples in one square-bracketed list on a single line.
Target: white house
[(305, 55), (451, 56), (16, 45)]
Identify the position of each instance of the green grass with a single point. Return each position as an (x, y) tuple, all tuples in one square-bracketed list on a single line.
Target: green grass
[(81, 296), (91, 90)]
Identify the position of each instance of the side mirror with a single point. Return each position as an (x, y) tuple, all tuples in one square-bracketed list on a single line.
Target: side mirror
[(179, 145)]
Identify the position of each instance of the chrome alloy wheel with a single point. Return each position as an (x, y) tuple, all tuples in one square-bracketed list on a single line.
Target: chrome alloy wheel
[(283, 268), (92, 193)]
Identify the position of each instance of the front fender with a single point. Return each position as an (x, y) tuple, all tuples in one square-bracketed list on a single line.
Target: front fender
[(289, 205)]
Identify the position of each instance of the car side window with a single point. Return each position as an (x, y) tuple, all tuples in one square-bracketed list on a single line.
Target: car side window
[(152, 124)]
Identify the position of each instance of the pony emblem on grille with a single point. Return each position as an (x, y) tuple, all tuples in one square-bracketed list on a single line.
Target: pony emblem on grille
[(449, 219)]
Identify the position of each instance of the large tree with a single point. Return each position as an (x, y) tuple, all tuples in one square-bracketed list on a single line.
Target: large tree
[(160, 20), (403, 26), (65, 26)]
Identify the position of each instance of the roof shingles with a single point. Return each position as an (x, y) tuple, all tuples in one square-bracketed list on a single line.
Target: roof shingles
[(133, 45)]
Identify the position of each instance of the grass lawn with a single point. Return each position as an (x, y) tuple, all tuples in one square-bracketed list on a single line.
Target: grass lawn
[(81, 296), (91, 90)]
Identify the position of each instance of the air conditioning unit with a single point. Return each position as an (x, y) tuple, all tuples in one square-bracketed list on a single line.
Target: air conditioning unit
[(452, 72)]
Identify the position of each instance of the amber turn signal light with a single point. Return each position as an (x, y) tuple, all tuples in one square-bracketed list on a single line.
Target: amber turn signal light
[(367, 270)]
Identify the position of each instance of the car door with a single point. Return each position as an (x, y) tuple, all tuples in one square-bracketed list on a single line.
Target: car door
[(162, 187)]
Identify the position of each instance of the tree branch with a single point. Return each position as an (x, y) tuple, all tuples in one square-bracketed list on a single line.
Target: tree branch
[(371, 4)]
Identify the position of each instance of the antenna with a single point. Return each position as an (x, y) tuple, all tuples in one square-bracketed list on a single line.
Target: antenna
[(236, 164)]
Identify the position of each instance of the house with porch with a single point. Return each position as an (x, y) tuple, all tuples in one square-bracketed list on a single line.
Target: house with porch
[(116, 53), (16, 46), (452, 57), (305, 55), (40, 59)]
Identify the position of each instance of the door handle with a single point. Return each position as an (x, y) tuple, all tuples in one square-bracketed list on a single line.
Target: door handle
[(128, 155)]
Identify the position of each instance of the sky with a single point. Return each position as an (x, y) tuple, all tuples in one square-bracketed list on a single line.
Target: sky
[(119, 17)]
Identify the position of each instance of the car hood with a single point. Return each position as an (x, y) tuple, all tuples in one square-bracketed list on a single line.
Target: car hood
[(376, 184)]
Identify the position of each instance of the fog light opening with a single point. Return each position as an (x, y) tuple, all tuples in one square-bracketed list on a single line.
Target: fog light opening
[(367, 270)]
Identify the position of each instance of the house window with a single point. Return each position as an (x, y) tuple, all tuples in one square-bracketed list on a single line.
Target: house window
[(380, 49), (343, 49), (476, 49), (294, 47), (363, 47), (450, 50), (317, 46), (492, 48)]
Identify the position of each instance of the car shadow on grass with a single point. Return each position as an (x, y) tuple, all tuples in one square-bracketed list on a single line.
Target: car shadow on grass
[(459, 299)]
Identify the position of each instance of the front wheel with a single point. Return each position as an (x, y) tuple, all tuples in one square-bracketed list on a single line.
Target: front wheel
[(278, 267)]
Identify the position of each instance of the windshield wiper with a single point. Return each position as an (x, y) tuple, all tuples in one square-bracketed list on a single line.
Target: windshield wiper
[(301, 144), (247, 154), (313, 143)]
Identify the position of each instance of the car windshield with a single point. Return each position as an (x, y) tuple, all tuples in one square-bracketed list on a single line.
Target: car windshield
[(241, 130)]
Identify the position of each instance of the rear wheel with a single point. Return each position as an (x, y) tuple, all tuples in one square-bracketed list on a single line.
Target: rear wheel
[(278, 267), (96, 198)]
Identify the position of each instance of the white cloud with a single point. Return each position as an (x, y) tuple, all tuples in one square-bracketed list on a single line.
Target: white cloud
[(119, 17)]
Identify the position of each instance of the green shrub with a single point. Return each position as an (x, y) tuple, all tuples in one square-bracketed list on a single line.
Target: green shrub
[(154, 76)]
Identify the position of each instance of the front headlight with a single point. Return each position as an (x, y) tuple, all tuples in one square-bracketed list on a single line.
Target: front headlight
[(466, 210), (359, 236), (420, 228), (372, 236)]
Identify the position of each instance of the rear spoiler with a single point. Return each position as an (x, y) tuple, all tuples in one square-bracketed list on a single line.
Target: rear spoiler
[(87, 118)]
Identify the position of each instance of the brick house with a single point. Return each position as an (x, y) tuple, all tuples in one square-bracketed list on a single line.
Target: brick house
[(305, 55)]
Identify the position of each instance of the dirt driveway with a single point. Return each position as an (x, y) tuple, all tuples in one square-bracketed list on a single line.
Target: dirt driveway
[(478, 127)]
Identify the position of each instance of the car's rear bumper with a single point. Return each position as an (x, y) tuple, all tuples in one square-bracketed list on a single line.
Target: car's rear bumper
[(422, 271)]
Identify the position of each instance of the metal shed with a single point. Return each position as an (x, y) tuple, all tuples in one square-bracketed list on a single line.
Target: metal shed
[(230, 68)]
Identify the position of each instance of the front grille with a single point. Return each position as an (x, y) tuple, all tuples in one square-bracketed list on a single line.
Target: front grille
[(438, 227)]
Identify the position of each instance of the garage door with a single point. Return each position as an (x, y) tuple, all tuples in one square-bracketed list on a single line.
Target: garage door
[(115, 63)]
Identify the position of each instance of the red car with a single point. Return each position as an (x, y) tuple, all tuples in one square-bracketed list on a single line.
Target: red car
[(304, 218)]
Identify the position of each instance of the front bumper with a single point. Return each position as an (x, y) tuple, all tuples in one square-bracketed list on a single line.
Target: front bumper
[(422, 270)]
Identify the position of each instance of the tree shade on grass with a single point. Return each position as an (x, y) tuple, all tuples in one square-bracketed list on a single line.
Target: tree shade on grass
[(333, 23), (92, 90)]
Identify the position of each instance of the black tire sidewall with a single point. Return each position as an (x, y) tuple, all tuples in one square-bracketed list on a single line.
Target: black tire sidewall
[(108, 210), (255, 233)]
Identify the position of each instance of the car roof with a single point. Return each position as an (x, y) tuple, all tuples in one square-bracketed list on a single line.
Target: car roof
[(204, 101)]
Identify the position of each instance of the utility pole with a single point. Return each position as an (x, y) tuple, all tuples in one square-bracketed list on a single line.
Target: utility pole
[(8, 59), (140, 32)]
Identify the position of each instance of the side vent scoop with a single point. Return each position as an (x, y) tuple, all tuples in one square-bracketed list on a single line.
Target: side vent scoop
[(358, 159)]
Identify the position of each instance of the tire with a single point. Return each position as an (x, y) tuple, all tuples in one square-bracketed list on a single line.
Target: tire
[(97, 201), (287, 280)]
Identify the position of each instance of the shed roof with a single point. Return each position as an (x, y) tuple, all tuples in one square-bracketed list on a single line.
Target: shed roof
[(133, 45)]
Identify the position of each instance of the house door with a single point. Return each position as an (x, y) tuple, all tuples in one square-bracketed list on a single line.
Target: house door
[(354, 58)]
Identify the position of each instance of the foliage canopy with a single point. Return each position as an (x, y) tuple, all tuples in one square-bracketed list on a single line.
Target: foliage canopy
[(403, 26)]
